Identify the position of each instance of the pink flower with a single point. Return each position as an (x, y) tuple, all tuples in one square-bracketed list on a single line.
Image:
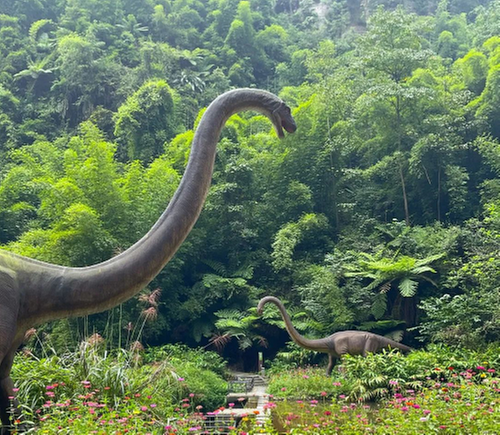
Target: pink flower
[(336, 384), (323, 393), (480, 368)]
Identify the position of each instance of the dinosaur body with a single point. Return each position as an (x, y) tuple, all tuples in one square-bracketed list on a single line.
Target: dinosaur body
[(338, 344), (33, 292)]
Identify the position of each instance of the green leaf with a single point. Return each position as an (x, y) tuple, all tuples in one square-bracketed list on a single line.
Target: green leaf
[(379, 305), (408, 287)]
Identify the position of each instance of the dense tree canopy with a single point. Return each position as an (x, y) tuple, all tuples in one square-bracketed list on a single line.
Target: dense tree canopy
[(380, 213)]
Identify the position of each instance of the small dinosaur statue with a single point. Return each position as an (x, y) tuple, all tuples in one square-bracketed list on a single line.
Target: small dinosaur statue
[(33, 292), (338, 344)]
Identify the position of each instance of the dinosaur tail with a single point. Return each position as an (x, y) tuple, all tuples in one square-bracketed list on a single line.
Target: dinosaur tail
[(396, 345)]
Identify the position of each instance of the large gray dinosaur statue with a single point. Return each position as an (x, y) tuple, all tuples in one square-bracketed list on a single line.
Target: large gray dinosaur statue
[(338, 344), (33, 292)]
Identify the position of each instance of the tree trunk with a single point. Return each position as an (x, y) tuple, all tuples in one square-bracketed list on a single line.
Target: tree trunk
[(439, 195), (405, 198)]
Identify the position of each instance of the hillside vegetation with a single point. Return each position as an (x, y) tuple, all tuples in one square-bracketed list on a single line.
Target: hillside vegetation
[(381, 213)]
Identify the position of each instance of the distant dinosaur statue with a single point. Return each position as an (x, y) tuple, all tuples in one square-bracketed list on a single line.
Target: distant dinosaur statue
[(33, 292), (338, 344)]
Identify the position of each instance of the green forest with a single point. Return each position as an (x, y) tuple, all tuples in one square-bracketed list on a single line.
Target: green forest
[(381, 213)]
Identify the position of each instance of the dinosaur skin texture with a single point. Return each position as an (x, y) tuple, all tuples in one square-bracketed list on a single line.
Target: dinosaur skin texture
[(338, 344), (33, 292)]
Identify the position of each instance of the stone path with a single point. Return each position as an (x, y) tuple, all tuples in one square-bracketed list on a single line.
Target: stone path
[(256, 399)]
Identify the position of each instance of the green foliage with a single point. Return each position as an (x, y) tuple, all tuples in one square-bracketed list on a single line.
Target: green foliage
[(324, 298), (381, 212), (434, 409), (109, 381), (474, 69), (405, 271), (379, 376), (395, 160), (465, 319), (293, 357), (146, 121), (303, 383), (199, 357), (291, 235)]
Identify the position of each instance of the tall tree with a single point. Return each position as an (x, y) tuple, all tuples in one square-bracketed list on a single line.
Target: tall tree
[(146, 121)]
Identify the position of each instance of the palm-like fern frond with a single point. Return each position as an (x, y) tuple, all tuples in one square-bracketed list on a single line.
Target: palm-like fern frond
[(408, 287)]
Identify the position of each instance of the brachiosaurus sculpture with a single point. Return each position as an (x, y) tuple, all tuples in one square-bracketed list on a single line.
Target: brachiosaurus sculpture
[(340, 343), (33, 292)]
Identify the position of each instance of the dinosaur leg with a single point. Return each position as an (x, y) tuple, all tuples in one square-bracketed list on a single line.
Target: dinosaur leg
[(331, 364), (9, 340), (5, 402), (6, 393), (9, 406), (371, 346)]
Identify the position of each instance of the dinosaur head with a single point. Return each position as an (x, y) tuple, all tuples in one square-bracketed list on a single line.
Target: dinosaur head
[(282, 119), (260, 308)]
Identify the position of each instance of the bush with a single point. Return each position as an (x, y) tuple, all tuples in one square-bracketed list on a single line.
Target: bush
[(179, 352), (78, 390), (305, 383), (378, 375)]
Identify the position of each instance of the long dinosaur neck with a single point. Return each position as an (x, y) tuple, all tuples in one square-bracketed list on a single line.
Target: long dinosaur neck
[(80, 291), (319, 345)]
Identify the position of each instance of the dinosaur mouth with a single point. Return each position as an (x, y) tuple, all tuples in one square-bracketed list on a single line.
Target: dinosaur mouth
[(289, 125)]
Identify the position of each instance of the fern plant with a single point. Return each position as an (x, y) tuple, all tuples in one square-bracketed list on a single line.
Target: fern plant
[(236, 324), (404, 272)]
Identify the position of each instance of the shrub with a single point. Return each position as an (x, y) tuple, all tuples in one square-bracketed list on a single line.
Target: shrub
[(305, 383), (78, 390)]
